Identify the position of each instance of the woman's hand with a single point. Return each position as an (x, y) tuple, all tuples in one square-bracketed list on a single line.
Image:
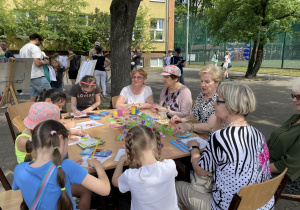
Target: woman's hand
[(156, 108), (175, 119), (193, 143), (181, 128)]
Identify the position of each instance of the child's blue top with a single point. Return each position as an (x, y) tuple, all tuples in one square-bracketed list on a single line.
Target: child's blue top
[(28, 179)]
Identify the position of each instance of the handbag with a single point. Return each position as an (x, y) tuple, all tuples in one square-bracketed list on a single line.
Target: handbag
[(222, 64), (229, 65), (202, 184)]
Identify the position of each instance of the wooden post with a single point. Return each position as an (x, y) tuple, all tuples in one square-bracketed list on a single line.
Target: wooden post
[(10, 87)]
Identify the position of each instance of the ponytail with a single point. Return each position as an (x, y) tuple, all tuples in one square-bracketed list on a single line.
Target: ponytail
[(64, 201), (158, 142), (130, 151)]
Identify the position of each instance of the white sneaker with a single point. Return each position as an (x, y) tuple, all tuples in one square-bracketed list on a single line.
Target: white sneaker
[(5, 106), (64, 89), (20, 94)]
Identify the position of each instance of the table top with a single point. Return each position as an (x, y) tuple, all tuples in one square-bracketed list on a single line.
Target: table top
[(11, 199), (104, 132)]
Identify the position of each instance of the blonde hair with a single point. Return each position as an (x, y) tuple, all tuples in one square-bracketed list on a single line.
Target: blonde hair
[(238, 97), (215, 71), (227, 53), (140, 71), (137, 140), (296, 86)]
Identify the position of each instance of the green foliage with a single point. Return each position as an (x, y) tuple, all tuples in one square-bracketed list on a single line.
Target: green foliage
[(246, 20)]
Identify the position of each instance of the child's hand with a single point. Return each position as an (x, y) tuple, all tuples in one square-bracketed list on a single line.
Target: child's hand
[(193, 143), (94, 163), (80, 133), (123, 158)]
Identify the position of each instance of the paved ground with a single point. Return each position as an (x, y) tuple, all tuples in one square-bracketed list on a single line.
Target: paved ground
[(273, 108)]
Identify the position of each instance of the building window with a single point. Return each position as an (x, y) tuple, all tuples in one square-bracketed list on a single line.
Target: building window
[(157, 29), (156, 62)]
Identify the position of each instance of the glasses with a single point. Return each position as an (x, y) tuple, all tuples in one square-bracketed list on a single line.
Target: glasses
[(222, 102), (86, 91), (297, 96), (137, 77)]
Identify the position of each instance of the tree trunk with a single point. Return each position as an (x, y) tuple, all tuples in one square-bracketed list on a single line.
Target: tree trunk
[(255, 60), (123, 13)]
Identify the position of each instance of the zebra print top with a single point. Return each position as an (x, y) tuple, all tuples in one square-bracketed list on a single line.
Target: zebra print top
[(237, 156)]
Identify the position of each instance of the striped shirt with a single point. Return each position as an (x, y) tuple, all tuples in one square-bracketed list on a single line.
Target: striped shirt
[(237, 156)]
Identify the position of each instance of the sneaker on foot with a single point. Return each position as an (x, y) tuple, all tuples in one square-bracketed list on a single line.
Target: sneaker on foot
[(21, 94)]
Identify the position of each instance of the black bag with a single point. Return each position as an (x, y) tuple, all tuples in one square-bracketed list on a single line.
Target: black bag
[(222, 64)]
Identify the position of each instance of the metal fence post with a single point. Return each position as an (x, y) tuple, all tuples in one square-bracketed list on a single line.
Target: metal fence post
[(283, 49)]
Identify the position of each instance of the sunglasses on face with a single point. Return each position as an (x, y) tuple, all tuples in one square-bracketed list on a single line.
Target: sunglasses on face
[(297, 96), (138, 78)]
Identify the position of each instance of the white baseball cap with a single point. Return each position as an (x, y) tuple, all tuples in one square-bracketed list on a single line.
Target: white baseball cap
[(97, 43)]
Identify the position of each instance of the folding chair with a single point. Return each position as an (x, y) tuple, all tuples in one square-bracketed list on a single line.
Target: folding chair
[(256, 195), (113, 102), (14, 111), (280, 195)]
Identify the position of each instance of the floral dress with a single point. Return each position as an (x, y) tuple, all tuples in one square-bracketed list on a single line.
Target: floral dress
[(237, 156)]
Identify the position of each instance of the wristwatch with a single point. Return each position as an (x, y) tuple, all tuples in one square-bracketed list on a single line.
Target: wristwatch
[(193, 147)]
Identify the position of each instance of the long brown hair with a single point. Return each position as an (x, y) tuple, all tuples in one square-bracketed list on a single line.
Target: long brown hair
[(43, 137), (137, 140)]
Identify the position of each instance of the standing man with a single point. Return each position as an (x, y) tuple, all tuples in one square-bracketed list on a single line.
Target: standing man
[(72, 66), (137, 57), (167, 59), (3, 45), (179, 62), (38, 80), (93, 51)]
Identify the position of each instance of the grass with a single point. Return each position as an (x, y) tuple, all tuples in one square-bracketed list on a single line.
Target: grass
[(262, 70)]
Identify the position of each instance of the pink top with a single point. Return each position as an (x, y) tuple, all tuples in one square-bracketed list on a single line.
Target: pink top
[(180, 102)]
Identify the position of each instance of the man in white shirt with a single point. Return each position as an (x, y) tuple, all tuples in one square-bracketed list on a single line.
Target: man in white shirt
[(38, 80), (93, 51)]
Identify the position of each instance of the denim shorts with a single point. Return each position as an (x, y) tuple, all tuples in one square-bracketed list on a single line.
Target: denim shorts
[(37, 85)]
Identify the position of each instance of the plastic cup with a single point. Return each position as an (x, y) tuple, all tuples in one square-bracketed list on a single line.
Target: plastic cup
[(115, 114), (133, 109), (120, 112)]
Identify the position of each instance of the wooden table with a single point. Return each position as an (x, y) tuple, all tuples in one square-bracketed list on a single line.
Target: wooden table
[(104, 132), (10, 200)]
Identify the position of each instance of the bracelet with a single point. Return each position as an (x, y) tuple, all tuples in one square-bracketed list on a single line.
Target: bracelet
[(192, 127)]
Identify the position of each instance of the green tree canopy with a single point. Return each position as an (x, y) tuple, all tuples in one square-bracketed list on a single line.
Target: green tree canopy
[(258, 20)]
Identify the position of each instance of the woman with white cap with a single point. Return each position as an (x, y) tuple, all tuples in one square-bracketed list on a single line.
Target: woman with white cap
[(175, 98)]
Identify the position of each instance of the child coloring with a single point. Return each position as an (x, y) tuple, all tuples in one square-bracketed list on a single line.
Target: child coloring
[(53, 174), (85, 96), (151, 181)]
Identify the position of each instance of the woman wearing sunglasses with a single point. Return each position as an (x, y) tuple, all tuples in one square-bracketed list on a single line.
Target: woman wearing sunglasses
[(235, 156), (137, 93), (85, 96), (284, 146)]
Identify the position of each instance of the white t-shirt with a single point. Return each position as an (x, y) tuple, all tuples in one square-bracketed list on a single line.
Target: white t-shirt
[(225, 65), (30, 50), (130, 98), (151, 186)]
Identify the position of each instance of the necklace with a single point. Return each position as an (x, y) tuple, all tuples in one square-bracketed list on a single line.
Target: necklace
[(236, 122)]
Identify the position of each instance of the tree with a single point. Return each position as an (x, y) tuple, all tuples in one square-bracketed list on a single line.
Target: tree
[(123, 13), (258, 20)]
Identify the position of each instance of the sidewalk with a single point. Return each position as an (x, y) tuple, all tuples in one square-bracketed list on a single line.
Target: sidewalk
[(274, 106)]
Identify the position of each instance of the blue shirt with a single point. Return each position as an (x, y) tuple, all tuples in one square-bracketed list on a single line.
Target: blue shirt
[(28, 180)]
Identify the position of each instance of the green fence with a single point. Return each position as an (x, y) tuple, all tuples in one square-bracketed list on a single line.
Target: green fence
[(284, 52)]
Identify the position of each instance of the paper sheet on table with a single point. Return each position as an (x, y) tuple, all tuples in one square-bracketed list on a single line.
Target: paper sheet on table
[(120, 153), (201, 141), (86, 157), (79, 139), (87, 125)]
